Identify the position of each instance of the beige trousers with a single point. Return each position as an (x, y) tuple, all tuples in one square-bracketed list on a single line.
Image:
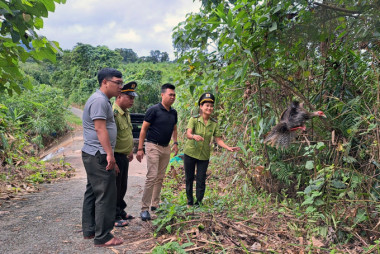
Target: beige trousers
[(157, 158)]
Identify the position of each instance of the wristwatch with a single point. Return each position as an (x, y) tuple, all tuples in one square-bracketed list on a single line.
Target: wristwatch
[(175, 143)]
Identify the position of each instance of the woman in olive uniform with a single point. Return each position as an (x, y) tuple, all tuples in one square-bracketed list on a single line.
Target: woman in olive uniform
[(200, 131)]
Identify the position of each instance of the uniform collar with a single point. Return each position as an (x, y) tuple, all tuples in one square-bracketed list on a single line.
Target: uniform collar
[(200, 119), (117, 107)]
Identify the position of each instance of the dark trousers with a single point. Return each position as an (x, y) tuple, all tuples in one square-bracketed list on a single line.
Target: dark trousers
[(189, 164), (99, 202), (121, 184)]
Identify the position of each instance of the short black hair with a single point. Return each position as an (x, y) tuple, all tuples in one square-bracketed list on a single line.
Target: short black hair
[(108, 73), (167, 86)]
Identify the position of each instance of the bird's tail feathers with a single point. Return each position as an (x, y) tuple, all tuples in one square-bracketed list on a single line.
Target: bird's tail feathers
[(279, 140)]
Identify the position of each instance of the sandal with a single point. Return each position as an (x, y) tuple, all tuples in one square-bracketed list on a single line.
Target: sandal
[(113, 242), (121, 223), (128, 217)]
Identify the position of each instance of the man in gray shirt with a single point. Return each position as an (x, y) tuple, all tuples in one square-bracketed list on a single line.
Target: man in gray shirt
[(99, 132)]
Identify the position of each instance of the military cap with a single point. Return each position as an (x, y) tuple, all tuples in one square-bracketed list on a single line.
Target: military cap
[(129, 88), (206, 97)]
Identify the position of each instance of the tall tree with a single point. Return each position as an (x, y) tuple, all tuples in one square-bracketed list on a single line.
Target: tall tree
[(164, 57), (155, 55), (129, 56)]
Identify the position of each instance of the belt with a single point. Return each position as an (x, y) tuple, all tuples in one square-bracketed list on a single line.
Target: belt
[(156, 143), (116, 153)]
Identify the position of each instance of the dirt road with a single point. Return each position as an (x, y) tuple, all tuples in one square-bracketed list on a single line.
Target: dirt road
[(50, 221)]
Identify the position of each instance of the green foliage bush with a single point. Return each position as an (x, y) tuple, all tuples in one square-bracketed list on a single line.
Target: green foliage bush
[(259, 56), (38, 112)]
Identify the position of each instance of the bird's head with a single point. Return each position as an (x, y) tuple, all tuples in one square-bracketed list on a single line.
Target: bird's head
[(320, 114)]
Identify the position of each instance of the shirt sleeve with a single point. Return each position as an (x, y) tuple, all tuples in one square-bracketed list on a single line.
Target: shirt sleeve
[(150, 115), (98, 110), (191, 124), (217, 132)]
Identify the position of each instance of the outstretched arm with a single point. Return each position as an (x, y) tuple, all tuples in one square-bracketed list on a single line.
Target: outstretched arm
[(221, 143)]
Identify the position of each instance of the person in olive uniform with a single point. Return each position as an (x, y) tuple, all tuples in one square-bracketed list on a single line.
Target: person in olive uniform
[(124, 148), (200, 131)]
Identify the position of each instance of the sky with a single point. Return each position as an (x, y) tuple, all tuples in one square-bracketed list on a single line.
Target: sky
[(141, 25)]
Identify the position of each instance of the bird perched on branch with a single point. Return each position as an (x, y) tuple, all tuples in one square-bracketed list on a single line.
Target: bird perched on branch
[(291, 120)]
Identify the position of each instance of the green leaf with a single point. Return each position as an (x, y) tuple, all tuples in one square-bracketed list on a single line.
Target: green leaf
[(229, 18), (309, 165), (360, 216), (244, 72), (273, 27), (185, 245), (38, 22), (320, 145), (4, 141), (25, 2), (277, 9), (242, 147), (255, 74), (342, 34), (338, 184), (349, 159), (6, 7), (15, 36), (310, 209), (49, 4), (372, 126)]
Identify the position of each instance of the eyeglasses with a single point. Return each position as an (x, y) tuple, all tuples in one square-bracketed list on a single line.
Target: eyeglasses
[(119, 83)]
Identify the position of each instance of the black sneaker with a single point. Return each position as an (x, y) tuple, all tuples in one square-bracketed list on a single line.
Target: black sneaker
[(153, 208), (145, 215)]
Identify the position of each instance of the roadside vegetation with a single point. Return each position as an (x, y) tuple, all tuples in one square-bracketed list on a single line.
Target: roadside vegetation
[(321, 195)]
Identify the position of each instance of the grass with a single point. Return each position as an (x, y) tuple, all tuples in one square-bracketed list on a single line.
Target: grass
[(73, 119)]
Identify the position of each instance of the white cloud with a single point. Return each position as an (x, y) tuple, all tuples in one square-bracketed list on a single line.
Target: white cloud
[(159, 28), (121, 37), (143, 25)]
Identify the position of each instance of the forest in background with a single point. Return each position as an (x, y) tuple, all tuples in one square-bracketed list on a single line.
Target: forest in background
[(256, 57)]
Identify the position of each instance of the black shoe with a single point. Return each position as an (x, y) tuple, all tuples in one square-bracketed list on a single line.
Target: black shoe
[(198, 203), (153, 208), (145, 215)]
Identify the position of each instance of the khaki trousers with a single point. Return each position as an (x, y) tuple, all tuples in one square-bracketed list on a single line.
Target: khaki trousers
[(157, 161)]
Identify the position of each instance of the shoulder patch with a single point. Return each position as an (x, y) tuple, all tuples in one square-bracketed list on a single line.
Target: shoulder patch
[(197, 116), (214, 120), (115, 112)]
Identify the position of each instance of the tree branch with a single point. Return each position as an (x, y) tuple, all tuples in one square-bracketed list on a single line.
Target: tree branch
[(337, 8), (282, 82)]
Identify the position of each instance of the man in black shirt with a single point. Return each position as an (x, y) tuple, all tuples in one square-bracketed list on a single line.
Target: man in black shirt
[(160, 124)]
